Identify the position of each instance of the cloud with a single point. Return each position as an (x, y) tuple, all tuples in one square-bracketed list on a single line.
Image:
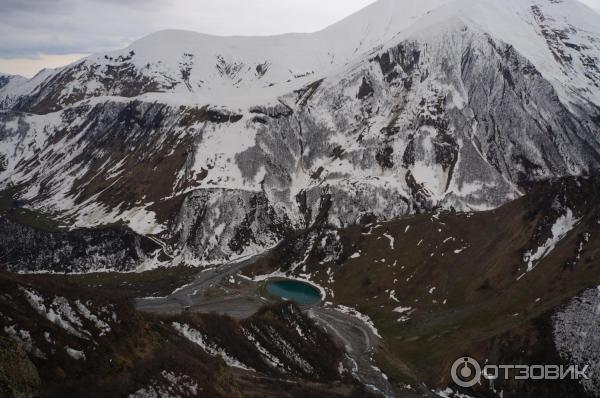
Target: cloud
[(60, 6), (31, 28), (12, 6)]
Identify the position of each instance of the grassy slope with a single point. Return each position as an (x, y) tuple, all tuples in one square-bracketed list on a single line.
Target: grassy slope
[(483, 298), (154, 283), (10, 208)]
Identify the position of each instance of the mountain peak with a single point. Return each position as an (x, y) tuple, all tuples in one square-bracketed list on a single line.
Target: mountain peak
[(401, 108)]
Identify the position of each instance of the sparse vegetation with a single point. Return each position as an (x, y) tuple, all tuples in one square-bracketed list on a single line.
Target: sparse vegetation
[(13, 208)]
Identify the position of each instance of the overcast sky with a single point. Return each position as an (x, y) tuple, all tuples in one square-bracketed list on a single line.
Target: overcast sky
[(49, 33)]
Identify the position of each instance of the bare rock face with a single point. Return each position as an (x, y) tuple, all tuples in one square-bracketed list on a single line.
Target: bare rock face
[(214, 225), (25, 248), (221, 149)]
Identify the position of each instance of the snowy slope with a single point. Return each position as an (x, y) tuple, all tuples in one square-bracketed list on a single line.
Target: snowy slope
[(560, 38), (9, 83), (223, 145)]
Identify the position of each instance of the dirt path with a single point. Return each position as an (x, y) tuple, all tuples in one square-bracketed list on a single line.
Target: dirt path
[(183, 298)]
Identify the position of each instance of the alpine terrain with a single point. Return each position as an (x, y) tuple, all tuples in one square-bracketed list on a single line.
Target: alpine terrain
[(431, 167)]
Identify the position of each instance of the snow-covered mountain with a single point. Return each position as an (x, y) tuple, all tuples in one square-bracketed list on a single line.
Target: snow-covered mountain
[(221, 146)]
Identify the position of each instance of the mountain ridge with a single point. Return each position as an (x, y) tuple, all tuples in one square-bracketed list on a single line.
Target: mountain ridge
[(358, 34), (450, 118)]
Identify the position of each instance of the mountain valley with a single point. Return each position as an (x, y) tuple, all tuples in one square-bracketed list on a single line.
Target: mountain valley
[(432, 168)]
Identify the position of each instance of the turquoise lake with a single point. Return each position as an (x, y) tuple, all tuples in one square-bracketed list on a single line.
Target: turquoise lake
[(299, 292)]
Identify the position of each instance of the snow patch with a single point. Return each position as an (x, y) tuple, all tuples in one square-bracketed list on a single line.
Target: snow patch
[(562, 226), (212, 349)]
